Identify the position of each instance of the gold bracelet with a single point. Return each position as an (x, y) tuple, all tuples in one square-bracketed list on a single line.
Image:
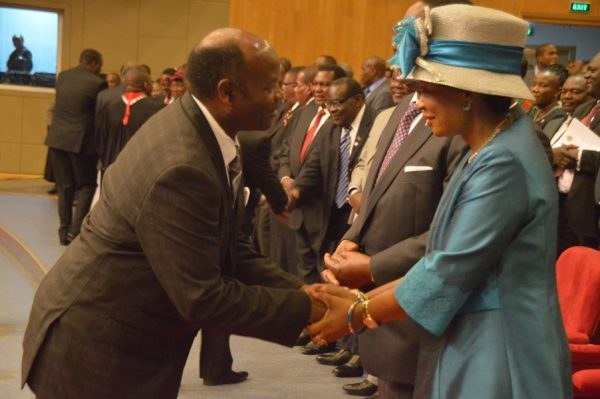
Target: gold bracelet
[(360, 295), (368, 321)]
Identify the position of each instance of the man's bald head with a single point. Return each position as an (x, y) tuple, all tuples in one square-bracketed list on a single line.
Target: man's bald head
[(227, 53), (137, 79)]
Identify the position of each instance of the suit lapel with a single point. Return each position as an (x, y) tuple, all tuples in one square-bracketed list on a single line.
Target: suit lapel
[(384, 142), (195, 115), (361, 136), (191, 109), (413, 143)]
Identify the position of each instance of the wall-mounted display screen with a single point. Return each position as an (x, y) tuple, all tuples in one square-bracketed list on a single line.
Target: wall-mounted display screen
[(28, 46)]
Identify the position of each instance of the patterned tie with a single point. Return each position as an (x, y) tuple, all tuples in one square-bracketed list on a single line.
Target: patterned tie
[(341, 193), (286, 117), (310, 134), (401, 134), (591, 115), (235, 173)]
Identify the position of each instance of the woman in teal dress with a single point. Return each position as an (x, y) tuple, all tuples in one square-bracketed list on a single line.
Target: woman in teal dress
[(485, 289)]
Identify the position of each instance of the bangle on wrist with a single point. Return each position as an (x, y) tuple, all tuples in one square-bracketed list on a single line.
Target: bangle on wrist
[(368, 321), (350, 314), (361, 297)]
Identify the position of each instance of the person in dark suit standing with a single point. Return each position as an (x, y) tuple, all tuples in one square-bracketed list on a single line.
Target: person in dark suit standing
[(377, 89), (161, 254), (307, 125), (578, 209), (71, 143), (325, 174)]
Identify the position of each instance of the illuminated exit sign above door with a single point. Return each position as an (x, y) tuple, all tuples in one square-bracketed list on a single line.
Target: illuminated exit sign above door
[(580, 7)]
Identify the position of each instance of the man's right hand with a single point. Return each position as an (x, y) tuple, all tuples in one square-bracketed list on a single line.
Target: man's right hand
[(317, 307)]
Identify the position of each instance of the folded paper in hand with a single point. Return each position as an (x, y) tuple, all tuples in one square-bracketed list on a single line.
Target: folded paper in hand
[(576, 133)]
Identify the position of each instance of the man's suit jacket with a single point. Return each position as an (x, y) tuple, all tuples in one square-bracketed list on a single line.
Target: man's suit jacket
[(100, 117), (554, 114), (158, 258), (582, 208), (392, 228), (380, 98), (319, 175), (290, 165), (72, 127), (277, 134)]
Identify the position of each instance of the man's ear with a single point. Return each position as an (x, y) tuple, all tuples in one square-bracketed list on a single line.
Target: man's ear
[(225, 90)]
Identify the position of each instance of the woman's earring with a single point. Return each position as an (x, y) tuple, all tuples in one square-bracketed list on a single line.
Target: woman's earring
[(466, 105)]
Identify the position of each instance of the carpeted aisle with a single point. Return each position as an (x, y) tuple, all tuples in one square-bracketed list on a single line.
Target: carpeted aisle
[(29, 247)]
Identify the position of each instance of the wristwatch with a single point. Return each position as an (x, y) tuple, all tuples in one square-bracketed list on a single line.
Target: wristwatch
[(368, 321)]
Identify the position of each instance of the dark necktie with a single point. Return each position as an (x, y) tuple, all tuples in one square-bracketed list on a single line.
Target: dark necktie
[(400, 135), (341, 194), (235, 173), (310, 134)]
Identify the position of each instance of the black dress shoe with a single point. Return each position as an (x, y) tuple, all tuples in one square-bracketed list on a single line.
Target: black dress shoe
[(363, 388), (303, 339), (314, 349), (352, 368), (233, 377), (335, 359)]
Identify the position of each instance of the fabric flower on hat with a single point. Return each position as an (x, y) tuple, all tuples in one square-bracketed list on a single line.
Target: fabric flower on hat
[(411, 36)]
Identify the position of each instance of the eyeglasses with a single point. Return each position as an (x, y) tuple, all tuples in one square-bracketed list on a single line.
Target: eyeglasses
[(294, 84), (338, 103)]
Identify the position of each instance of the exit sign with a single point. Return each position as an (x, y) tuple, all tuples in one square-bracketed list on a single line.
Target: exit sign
[(580, 7)]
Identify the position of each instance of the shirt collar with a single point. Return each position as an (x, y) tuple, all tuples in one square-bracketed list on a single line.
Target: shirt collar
[(356, 122), (227, 145), (375, 85)]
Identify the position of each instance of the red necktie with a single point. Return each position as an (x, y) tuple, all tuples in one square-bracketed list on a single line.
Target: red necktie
[(310, 134)]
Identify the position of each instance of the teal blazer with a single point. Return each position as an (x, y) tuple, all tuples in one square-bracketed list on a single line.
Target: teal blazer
[(485, 288)]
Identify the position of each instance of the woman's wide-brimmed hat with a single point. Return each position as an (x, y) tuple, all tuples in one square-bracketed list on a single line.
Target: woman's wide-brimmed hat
[(468, 47)]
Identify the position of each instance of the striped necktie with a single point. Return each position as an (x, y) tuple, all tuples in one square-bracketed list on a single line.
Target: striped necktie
[(341, 194)]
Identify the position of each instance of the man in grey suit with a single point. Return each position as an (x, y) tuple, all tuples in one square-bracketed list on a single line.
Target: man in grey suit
[(377, 90), (161, 255), (71, 143), (390, 234)]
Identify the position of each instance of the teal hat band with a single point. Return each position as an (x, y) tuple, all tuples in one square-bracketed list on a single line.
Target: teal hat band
[(481, 56)]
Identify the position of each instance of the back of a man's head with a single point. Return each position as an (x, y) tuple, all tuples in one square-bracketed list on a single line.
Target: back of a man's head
[(136, 79), (90, 56)]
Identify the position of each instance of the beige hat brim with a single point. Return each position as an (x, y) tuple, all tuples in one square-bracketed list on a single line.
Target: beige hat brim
[(475, 80)]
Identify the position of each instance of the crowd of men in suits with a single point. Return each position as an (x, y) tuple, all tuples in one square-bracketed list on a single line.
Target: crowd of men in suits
[(342, 187)]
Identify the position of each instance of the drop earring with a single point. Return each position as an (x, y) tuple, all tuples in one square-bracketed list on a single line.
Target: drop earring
[(466, 105)]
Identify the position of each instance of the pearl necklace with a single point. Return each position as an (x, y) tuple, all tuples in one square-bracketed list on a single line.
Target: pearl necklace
[(504, 123)]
